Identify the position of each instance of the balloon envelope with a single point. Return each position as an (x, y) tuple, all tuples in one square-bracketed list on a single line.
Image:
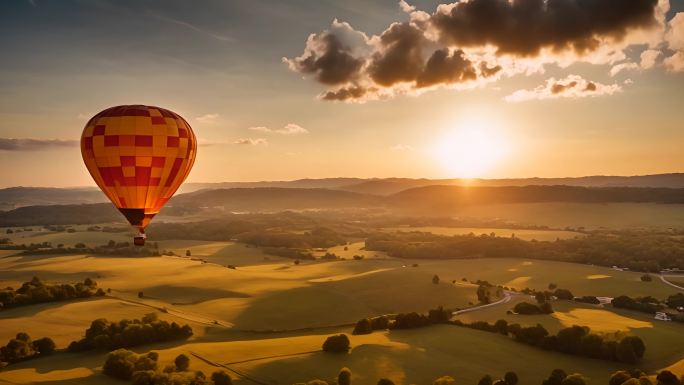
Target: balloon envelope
[(139, 156)]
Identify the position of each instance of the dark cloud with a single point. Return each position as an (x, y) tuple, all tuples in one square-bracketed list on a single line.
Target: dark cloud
[(347, 93), (443, 68), (472, 42), (328, 59), (524, 27), (558, 88), (12, 144), (488, 71), (401, 57)]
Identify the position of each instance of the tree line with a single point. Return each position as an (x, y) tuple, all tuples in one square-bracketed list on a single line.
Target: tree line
[(642, 252), (106, 335), (39, 291)]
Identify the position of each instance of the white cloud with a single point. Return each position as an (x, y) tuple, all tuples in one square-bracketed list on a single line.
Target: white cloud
[(675, 41), (288, 129), (649, 58), (251, 141), (573, 86), (207, 118), (401, 147), (616, 69)]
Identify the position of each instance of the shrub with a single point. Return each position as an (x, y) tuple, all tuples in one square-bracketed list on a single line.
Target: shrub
[(556, 378), (221, 378), (435, 279), (44, 345), (486, 380), (574, 379), (363, 326), (563, 294), (646, 278), (510, 378), (336, 344), (385, 381), (182, 362), (666, 377), (588, 299), (344, 377)]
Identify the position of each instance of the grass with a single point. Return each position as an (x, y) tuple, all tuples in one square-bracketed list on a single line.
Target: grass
[(277, 294), (540, 235), (588, 215)]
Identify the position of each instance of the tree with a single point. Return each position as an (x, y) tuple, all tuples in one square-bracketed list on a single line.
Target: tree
[(630, 349), (540, 297), (182, 363), (120, 364), (666, 377), (486, 380), (336, 344), (552, 286), (435, 279), (363, 326), (140, 294), (44, 345), (385, 381), (344, 377), (563, 294), (221, 378), (510, 378), (556, 378), (646, 278), (574, 379), (444, 380), (619, 377)]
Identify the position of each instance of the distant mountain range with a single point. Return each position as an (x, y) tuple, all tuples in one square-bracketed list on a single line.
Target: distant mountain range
[(428, 200), (14, 197)]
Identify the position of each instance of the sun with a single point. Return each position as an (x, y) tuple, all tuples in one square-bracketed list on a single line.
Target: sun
[(471, 150)]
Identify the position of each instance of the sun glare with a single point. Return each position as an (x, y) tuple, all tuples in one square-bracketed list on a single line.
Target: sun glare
[(471, 150)]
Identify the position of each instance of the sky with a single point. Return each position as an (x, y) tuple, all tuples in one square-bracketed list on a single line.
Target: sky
[(281, 90)]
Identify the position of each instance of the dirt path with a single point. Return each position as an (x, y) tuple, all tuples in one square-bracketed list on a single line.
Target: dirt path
[(189, 316), (662, 278), (506, 299)]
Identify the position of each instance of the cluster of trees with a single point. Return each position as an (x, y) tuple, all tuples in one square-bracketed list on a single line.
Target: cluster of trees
[(577, 340), (38, 291), (556, 377), (646, 304), (648, 252), (338, 343), (414, 320), (368, 325), (60, 215), (103, 334), (142, 369), (111, 248), (22, 347), (588, 299), (675, 301), (289, 253), (527, 308)]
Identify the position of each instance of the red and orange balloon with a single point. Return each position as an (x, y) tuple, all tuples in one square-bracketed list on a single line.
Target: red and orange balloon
[(139, 156)]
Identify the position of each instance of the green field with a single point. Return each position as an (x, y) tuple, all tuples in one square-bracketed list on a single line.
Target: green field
[(235, 311), (528, 235), (587, 215)]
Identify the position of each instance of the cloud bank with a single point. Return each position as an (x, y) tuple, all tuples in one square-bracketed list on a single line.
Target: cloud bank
[(27, 144), (251, 141), (288, 129), (470, 43), (573, 86)]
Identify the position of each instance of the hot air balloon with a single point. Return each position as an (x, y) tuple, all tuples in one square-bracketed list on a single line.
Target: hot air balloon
[(139, 156)]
